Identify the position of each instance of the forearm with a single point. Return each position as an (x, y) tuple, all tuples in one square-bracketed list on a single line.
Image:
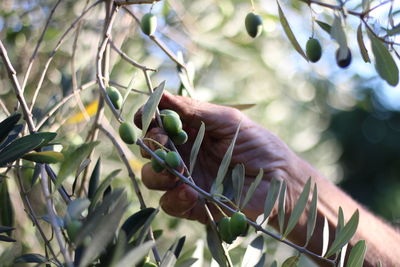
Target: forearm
[(382, 240)]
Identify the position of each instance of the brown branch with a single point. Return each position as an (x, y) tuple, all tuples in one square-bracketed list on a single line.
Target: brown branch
[(134, 2)]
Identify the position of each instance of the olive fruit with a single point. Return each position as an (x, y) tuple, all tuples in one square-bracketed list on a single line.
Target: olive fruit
[(345, 62), (254, 24), (224, 227), (238, 224), (115, 97), (180, 138), (172, 124), (73, 228), (166, 112), (149, 264), (313, 50), (127, 133), (157, 167), (149, 24), (172, 159)]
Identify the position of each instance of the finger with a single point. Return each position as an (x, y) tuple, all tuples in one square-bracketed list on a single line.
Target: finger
[(159, 136), (179, 201), (157, 181)]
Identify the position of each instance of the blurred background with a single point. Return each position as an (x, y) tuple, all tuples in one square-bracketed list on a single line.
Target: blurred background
[(345, 122)]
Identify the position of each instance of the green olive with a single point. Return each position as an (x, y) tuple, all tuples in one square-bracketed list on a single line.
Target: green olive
[(313, 50), (180, 138), (345, 62), (157, 167), (172, 124), (149, 24), (115, 97), (254, 24), (73, 228), (166, 112), (127, 133), (149, 264), (172, 159), (224, 227), (238, 224)]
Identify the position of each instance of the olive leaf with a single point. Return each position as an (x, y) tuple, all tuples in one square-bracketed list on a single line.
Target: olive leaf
[(262, 260), (298, 208), (325, 26), (6, 210), (312, 215), (150, 107), (7, 125), (94, 179), (146, 226), (136, 221), (344, 235), (338, 34), (31, 258), (340, 223), (196, 146), (172, 254), (289, 33), (253, 252), (361, 45), (135, 255), (238, 174), (291, 262), (357, 254), (272, 195), (281, 206), (102, 188), (76, 207), (252, 188), (384, 63), (218, 252)]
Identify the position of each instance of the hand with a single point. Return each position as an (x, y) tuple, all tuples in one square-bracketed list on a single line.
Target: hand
[(255, 147)]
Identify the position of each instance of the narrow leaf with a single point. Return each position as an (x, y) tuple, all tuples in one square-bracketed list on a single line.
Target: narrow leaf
[(384, 63), (365, 5), (394, 31), (274, 264), (12, 135), (223, 167), (146, 226), (357, 254), (338, 34), (344, 235), (5, 238), (312, 215), (340, 222), (103, 186), (281, 206), (291, 262), (298, 208), (94, 179), (7, 125), (136, 221), (325, 236), (261, 262), (273, 192), (6, 210), (238, 174), (31, 258), (76, 207), (289, 32), (253, 252), (361, 44), (325, 26), (168, 260), (218, 252), (196, 146), (252, 188), (150, 107), (134, 256), (48, 157), (6, 229)]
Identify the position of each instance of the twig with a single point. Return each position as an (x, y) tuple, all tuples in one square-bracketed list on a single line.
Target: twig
[(211, 198), (4, 107), (134, 2), (59, 43), (128, 59), (63, 101), (133, 179), (61, 190), (126, 87), (53, 217)]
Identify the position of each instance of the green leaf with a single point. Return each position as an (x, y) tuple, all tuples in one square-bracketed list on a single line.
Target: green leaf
[(196, 146), (149, 109), (48, 157), (340, 222), (365, 5), (289, 32), (76, 207), (136, 221), (6, 210), (261, 262), (127, 92), (73, 160), (12, 136), (94, 179), (281, 206), (325, 26), (252, 188), (384, 63), (218, 252), (357, 254), (135, 255), (100, 229), (361, 44), (31, 258), (291, 262), (298, 208), (344, 235), (238, 174), (7, 125), (253, 252), (23, 145), (312, 215), (338, 34), (223, 167), (394, 31), (103, 186), (272, 195), (146, 226)]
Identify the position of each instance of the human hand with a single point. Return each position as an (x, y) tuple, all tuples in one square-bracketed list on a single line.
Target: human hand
[(255, 147)]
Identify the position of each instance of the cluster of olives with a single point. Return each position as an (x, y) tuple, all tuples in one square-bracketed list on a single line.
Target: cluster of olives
[(173, 126), (231, 227), (171, 158), (314, 53)]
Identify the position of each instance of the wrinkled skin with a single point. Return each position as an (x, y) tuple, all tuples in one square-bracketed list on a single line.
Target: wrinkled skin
[(255, 147)]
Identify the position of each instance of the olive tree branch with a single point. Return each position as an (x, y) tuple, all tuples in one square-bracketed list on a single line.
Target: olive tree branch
[(211, 198), (134, 2)]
